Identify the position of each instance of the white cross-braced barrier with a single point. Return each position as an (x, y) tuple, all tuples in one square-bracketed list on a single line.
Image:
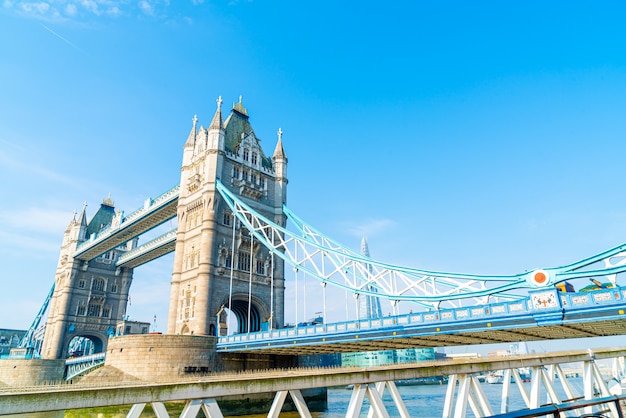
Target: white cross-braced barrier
[(542, 390), (309, 251), (551, 390)]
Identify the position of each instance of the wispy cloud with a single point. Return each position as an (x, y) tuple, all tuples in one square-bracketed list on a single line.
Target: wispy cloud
[(368, 227), (13, 243), (14, 163), (78, 9), (146, 7), (36, 219), (63, 39)]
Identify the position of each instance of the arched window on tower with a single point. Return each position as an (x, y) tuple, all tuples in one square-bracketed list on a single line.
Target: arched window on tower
[(93, 310), (254, 158), (260, 267), (229, 259), (243, 261), (246, 154), (98, 284)]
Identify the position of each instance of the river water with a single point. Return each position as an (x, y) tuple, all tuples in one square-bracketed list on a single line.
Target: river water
[(426, 400)]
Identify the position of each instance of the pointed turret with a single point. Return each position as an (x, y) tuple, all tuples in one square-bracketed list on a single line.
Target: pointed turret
[(190, 143), (72, 223), (191, 139), (76, 229), (279, 161), (217, 122), (82, 218), (82, 222), (279, 151), (216, 133)]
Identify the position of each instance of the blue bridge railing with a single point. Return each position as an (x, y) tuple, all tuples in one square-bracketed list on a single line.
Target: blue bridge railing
[(543, 306)]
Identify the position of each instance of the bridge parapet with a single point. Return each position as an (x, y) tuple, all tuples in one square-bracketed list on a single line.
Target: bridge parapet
[(76, 366)]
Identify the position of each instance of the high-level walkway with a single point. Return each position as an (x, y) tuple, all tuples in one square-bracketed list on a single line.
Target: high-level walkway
[(152, 214)]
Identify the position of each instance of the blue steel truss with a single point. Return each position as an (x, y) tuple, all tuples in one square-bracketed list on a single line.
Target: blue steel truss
[(329, 262), (28, 341)]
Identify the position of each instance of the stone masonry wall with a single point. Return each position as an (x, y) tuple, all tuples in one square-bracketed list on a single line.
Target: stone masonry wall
[(152, 356), (29, 372)]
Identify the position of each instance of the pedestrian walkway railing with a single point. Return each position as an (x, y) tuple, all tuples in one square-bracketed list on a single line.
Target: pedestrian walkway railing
[(606, 407)]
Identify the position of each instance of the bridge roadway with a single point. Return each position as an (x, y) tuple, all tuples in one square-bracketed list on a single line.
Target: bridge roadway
[(567, 315), (24, 400)]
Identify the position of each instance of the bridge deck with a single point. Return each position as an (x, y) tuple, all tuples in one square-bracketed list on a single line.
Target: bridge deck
[(580, 315), (392, 340)]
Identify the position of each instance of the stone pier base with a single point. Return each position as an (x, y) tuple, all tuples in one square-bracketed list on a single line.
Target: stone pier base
[(30, 372), (154, 357)]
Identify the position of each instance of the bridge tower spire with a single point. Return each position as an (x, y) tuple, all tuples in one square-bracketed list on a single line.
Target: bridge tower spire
[(89, 295), (218, 266)]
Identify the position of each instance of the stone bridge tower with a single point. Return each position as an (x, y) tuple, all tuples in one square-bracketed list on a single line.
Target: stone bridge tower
[(89, 296), (217, 264)]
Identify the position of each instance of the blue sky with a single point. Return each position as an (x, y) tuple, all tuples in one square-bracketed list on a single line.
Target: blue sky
[(482, 137)]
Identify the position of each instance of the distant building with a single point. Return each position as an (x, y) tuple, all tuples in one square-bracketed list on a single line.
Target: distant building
[(381, 358), (498, 353), (131, 327), (464, 355), (10, 338), (369, 308)]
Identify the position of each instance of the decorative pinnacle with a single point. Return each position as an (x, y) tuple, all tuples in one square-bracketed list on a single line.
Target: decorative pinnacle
[(280, 134), (108, 201), (219, 102), (239, 106)]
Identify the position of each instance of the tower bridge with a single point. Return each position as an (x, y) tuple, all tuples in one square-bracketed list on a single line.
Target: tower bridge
[(234, 240), (231, 244)]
